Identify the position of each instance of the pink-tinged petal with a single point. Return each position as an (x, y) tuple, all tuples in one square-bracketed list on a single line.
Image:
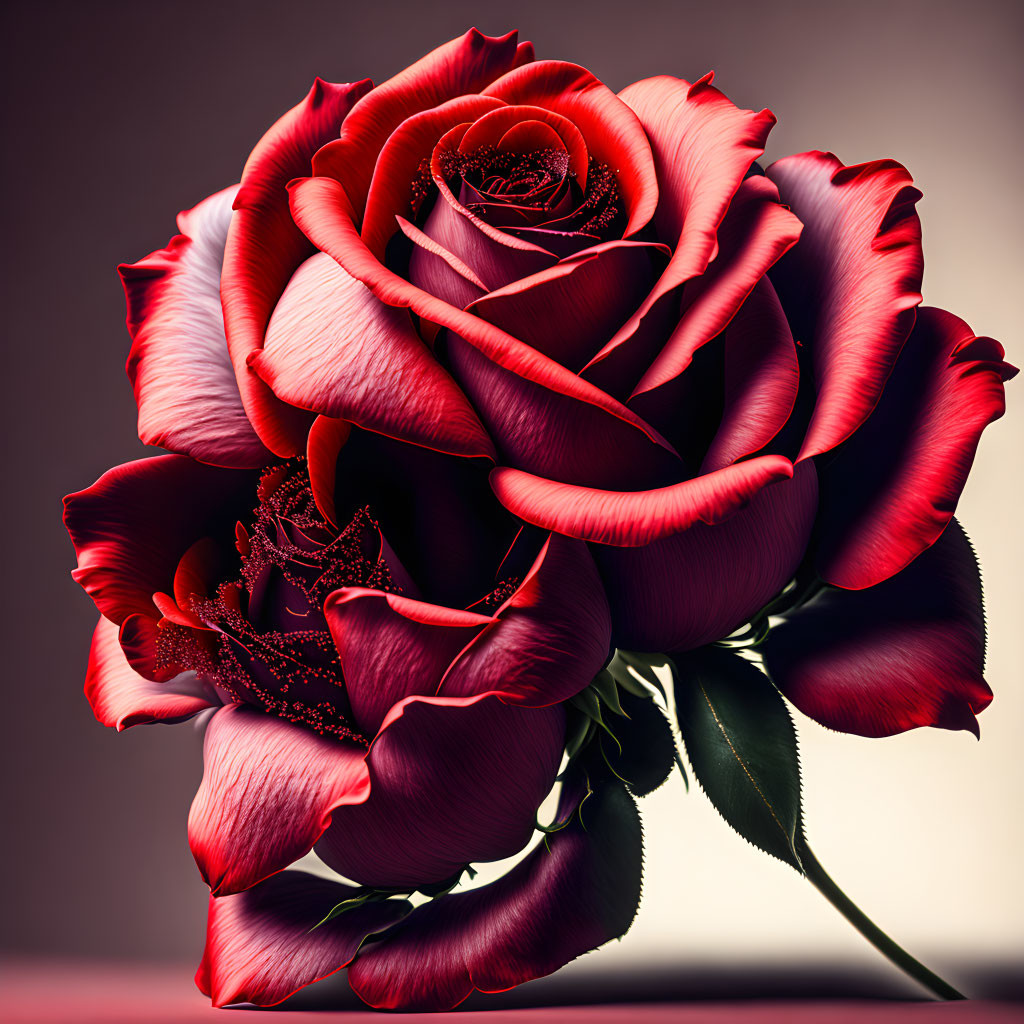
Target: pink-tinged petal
[(264, 247), (851, 285), (453, 780), (703, 146), (568, 896), (905, 653), (398, 167), (179, 365), (754, 234), (438, 271), (893, 487), (268, 792), (761, 377), (612, 132), (635, 518), (322, 209), (392, 647), (263, 945), (699, 585), (568, 311), (120, 697), (132, 526), (461, 67), (547, 641), (334, 348)]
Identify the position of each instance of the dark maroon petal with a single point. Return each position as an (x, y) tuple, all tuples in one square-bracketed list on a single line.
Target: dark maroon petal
[(179, 365), (905, 653), (850, 286), (334, 348), (264, 247), (892, 488), (121, 698), (761, 379), (453, 780), (268, 792), (460, 67), (263, 945), (569, 895), (569, 310), (699, 585), (132, 526)]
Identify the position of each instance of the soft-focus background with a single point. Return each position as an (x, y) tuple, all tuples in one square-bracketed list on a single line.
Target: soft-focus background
[(117, 114)]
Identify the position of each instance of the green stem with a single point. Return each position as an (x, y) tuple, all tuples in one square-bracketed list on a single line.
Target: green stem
[(820, 879)]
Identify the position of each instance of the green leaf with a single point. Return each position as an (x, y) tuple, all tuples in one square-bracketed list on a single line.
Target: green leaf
[(647, 746), (604, 686), (742, 746), (644, 666)]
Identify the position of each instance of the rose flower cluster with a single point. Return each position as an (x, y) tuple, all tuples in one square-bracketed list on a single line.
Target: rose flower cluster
[(475, 377)]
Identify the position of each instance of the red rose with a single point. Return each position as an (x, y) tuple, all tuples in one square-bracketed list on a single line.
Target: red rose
[(487, 293)]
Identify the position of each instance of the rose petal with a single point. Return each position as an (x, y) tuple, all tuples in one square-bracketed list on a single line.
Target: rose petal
[(905, 653), (263, 945), (132, 526), (264, 247), (571, 894), (893, 487), (335, 349), (699, 585), (850, 286), (179, 365), (120, 697), (453, 780), (268, 792)]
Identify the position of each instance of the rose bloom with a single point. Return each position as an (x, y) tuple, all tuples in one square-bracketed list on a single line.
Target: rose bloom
[(474, 376)]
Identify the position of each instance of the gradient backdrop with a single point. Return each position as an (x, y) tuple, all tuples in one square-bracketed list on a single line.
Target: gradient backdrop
[(118, 114)]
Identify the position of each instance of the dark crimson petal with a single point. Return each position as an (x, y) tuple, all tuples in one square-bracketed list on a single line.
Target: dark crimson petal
[(756, 231), (120, 697), (635, 518), (264, 247), (179, 365), (703, 146), (263, 945), (893, 487), (612, 132), (460, 67), (334, 348), (568, 896), (392, 647), (268, 792), (699, 585), (850, 286), (905, 653), (399, 165), (568, 311), (132, 526), (547, 641), (762, 376), (453, 780), (540, 429)]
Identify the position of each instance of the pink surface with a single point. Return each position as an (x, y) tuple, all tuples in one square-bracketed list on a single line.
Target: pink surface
[(75, 992)]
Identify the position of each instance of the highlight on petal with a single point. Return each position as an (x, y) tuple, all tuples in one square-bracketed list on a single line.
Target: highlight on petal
[(268, 792), (635, 518), (461, 67), (893, 487), (132, 526), (571, 894), (179, 365), (908, 652), (851, 285), (699, 585), (262, 945), (264, 247), (120, 697), (453, 780), (332, 347)]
